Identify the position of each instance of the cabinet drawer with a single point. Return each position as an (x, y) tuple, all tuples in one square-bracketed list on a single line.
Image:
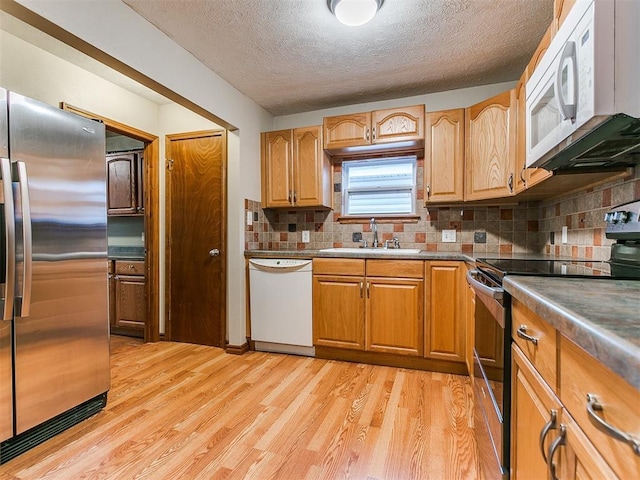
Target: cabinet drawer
[(581, 374), (133, 267), (338, 266), (543, 353), (395, 268)]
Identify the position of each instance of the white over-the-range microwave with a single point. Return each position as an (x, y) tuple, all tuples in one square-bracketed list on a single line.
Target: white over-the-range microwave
[(583, 99)]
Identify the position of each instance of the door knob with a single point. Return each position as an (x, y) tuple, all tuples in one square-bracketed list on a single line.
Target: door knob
[(214, 252)]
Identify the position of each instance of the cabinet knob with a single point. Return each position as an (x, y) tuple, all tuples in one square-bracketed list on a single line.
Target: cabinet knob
[(214, 252)]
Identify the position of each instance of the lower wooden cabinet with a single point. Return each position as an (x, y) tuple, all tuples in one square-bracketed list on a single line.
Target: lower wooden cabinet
[(534, 409), (338, 311), (377, 311), (445, 322), (394, 315), (551, 434), (127, 298)]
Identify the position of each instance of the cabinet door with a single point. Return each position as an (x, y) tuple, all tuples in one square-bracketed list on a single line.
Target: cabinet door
[(578, 459), (490, 129), (444, 156), (130, 303), (398, 125), (347, 130), (338, 311), (394, 315), (277, 165), (311, 169), (121, 184), (534, 408), (445, 332), (140, 183)]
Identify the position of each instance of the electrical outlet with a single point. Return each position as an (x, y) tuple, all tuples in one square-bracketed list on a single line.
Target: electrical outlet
[(552, 238), (448, 236), (480, 237), (305, 236), (565, 233), (249, 218)]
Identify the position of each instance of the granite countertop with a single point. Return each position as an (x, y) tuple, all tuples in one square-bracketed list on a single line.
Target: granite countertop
[(366, 253), (600, 315), (125, 253)]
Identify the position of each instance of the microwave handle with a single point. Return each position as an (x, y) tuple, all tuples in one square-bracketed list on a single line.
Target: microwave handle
[(567, 110)]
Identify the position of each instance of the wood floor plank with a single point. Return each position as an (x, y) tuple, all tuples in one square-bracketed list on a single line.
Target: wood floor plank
[(186, 411)]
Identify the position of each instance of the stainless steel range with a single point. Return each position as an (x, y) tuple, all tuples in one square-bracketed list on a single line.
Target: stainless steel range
[(492, 369)]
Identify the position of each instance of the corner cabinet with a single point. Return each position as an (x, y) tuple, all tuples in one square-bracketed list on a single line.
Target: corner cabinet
[(125, 183), (490, 130), (403, 127), (295, 170), (444, 156)]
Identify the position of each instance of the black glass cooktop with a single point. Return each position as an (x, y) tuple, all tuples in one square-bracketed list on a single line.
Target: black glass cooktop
[(499, 267)]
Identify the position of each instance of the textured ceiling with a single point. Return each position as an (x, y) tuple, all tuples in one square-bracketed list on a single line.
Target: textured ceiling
[(293, 56)]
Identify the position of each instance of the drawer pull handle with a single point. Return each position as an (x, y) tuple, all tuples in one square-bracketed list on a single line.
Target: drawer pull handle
[(594, 406), (551, 424), (522, 333), (560, 440)]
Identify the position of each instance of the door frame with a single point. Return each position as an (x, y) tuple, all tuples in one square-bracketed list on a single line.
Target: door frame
[(151, 214), (223, 222)]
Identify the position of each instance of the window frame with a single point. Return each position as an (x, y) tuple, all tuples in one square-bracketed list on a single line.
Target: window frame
[(412, 190)]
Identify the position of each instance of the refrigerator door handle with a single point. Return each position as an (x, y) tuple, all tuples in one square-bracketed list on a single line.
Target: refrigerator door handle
[(24, 302), (10, 234)]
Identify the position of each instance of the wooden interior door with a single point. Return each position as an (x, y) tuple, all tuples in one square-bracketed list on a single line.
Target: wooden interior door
[(196, 207)]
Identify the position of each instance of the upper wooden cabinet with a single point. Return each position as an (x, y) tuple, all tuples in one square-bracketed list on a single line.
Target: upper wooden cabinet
[(295, 170), (403, 127), (125, 184), (561, 9), (490, 130), (444, 156)]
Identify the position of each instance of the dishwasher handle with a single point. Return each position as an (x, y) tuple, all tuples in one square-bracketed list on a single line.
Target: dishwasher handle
[(280, 265)]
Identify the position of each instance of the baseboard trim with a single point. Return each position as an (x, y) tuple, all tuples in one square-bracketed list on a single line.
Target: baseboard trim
[(237, 349)]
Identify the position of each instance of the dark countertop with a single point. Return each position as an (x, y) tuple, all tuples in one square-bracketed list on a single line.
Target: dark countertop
[(366, 253), (600, 315), (125, 253)]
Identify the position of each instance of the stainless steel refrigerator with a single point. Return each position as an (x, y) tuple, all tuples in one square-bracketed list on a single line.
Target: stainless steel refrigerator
[(54, 331)]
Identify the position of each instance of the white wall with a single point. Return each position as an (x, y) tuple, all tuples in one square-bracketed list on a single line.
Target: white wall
[(433, 102)]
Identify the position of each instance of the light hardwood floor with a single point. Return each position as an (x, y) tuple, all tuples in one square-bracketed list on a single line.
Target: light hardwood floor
[(185, 411)]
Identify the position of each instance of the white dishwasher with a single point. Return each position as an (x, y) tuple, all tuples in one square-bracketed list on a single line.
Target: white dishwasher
[(281, 302)]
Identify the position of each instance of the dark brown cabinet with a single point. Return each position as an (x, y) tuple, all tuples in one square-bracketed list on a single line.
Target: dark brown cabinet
[(127, 300), (125, 183)]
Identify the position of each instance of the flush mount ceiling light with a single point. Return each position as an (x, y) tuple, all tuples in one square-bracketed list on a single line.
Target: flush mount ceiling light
[(354, 12)]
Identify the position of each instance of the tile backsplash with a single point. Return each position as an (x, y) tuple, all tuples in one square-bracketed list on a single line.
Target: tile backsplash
[(522, 228), (583, 215), (507, 229)]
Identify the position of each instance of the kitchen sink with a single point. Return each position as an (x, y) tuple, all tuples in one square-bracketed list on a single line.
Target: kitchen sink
[(383, 251)]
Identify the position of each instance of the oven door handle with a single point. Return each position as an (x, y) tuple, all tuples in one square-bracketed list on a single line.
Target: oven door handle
[(497, 293)]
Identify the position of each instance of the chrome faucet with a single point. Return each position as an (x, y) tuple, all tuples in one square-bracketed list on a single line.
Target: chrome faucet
[(374, 229)]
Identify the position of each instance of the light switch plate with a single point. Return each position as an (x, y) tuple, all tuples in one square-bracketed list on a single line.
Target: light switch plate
[(448, 236), (249, 218), (305, 236)]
